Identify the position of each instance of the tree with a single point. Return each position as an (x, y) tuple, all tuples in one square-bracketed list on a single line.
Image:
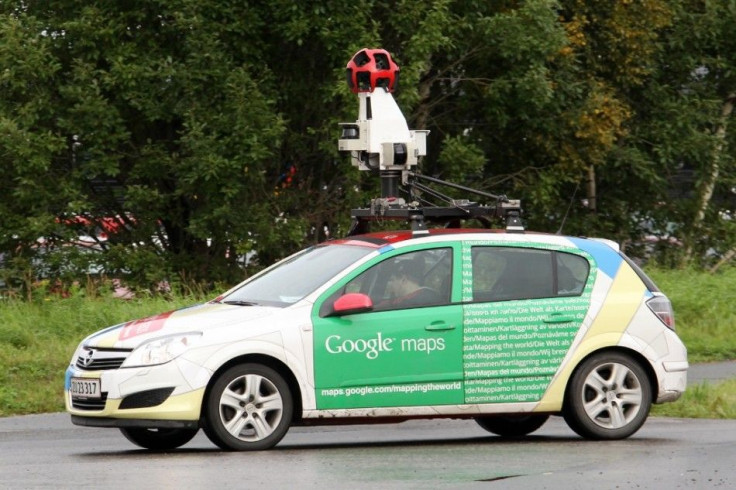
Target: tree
[(146, 112), (611, 48), (701, 71), (200, 132), (681, 135), (537, 93)]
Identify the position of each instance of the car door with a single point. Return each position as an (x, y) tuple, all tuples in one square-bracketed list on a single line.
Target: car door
[(523, 305), (392, 354)]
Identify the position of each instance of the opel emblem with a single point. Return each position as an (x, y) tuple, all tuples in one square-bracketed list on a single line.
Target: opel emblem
[(87, 360)]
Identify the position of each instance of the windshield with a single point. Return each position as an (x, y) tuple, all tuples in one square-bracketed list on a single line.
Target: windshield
[(295, 278)]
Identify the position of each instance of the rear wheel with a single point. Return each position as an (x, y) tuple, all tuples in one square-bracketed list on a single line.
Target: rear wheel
[(158, 439), (609, 397), (249, 408), (512, 425)]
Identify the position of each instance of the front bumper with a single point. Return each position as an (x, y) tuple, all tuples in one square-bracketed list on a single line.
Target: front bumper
[(156, 393), (144, 423)]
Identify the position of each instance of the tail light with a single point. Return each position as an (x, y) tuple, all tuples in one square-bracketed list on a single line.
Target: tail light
[(662, 307)]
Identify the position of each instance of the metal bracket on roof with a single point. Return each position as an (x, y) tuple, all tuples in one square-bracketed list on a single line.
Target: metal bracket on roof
[(420, 211)]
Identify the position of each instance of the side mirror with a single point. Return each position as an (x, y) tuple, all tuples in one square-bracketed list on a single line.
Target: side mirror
[(350, 303)]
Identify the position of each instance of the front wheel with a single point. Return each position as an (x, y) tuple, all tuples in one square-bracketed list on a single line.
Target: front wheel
[(609, 397), (249, 408), (512, 425), (158, 439)]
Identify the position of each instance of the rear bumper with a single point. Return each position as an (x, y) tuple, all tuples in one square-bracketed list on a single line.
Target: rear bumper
[(674, 381)]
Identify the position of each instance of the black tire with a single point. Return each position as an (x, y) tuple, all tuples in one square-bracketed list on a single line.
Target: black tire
[(609, 397), (158, 439), (248, 408), (512, 425)]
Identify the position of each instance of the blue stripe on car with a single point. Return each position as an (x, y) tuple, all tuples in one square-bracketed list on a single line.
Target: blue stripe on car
[(607, 260)]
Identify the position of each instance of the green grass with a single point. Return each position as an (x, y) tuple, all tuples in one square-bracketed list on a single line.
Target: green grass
[(712, 401), (704, 314), (37, 339)]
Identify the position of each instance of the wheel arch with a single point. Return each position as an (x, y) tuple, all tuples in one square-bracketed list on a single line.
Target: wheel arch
[(636, 356), (264, 360)]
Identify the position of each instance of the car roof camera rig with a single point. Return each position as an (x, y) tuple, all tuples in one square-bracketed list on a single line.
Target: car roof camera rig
[(380, 142)]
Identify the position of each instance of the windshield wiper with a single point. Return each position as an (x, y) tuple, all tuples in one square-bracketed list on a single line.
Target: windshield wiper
[(240, 302)]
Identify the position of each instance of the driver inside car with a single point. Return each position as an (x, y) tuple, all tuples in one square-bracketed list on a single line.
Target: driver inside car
[(405, 289)]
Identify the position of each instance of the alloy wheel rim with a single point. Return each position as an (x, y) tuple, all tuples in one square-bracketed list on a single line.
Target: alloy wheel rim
[(251, 407), (612, 395)]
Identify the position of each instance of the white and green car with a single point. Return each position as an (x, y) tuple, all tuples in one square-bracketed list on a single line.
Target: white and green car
[(504, 328)]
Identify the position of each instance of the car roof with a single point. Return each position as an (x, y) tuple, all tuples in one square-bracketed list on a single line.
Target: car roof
[(380, 238)]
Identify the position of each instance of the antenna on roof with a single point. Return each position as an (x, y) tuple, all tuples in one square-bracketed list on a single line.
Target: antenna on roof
[(564, 218)]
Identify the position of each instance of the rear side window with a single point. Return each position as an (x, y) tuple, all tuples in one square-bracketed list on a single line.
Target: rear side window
[(572, 273), (508, 273)]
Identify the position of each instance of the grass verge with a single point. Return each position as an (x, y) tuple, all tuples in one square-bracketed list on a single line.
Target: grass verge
[(704, 400), (704, 313), (37, 340)]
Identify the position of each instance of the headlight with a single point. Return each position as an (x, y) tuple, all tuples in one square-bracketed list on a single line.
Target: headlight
[(161, 350)]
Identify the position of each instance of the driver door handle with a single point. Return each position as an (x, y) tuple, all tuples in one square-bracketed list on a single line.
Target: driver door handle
[(439, 326)]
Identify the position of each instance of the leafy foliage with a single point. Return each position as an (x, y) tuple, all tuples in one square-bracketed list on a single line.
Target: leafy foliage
[(199, 136)]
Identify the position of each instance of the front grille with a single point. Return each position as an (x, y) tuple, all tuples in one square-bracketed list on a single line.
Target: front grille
[(102, 364), (100, 359), (90, 403)]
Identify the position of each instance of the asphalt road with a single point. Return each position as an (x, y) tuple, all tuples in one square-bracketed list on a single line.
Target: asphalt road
[(711, 372), (47, 451)]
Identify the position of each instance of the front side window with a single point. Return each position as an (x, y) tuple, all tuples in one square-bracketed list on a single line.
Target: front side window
[(509, 273), (414, 279)]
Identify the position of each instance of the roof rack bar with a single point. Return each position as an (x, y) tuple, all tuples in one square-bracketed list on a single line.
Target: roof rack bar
[(438, 195), (501, 197)]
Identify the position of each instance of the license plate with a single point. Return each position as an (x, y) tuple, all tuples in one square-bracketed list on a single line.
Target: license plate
[(85, 387)]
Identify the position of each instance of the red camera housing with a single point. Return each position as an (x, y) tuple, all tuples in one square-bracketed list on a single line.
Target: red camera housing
[(369, 69)]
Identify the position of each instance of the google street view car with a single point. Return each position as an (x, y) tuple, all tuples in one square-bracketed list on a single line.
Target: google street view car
[(502, 326)]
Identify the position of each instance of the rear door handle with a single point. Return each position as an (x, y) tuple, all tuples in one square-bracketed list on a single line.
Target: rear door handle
[(558, 318)]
